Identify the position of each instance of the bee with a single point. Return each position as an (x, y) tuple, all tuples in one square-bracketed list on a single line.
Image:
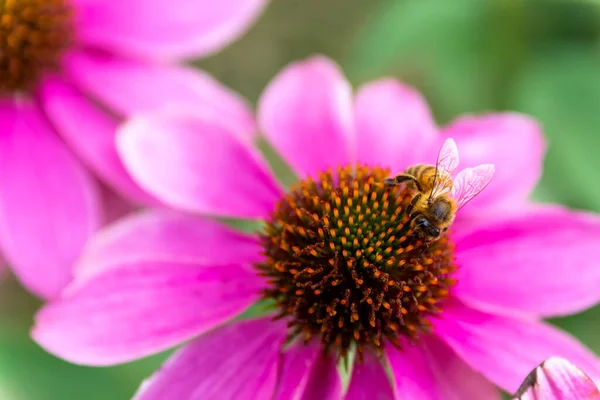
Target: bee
[(439, 197)]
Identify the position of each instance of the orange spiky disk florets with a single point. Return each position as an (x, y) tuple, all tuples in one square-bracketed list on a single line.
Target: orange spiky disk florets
[(344, 264)]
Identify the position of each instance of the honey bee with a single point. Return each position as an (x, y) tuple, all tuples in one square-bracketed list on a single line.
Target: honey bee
[(439, 198)]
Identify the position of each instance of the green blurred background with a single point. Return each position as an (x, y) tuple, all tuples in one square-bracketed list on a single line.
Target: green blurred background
[(538, 57)]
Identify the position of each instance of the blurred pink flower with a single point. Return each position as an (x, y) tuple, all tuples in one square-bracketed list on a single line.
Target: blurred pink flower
[(557, 379), (69, 70), (160, 278)]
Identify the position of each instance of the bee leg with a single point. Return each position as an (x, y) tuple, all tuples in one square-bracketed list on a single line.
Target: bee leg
[(402, 178), (413, 216), (411, 205)]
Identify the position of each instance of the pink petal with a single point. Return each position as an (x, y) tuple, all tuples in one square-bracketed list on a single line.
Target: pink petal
[(306, 114), (148, 28), (8, 117), (307, 374), (394, 126), (91, 133), (432, 371), (115, 205), (237, 361), (324, 382), (296, 369), (512, 142), (506, 349), (124, 85), (557, 379), (49, 206), (197, 165), (412, 371), (166, 236), (135, 310), (524, 263), (8, 113), (369, 380)]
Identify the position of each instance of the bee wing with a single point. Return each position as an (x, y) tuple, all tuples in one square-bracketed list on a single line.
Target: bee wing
[(470, 182), (447, 162)]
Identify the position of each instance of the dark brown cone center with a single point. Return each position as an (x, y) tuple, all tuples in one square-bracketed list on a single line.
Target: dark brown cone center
[(33, 35), (344, 264)]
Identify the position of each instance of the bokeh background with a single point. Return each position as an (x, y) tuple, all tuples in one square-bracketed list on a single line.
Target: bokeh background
[(538, 57)]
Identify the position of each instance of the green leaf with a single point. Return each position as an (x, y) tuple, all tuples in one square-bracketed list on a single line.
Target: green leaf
[(458, 52), (584, 326), (561, 88), (258, 309), (28, 372)]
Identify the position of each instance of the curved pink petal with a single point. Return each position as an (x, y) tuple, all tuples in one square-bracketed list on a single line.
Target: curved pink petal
[(512, 142), (130, 87), (166, 236), (324, 382), (506, 349), (49, 205), (369, 380), (237, 361), (306, 114), (8, 114), (296, 368), (149, 29), (412, 372), (432, 371), (307, 374), (540, 249), (557, 379), (91, 133), (115, 205), (135, 310), (197, 165), (394, 126)]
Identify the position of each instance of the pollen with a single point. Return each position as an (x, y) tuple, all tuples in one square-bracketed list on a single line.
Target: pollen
[(33, 35), (344, 265)]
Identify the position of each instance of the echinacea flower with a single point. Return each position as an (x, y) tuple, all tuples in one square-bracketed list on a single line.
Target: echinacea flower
[(337, 256), (557, 379), (69, 69)]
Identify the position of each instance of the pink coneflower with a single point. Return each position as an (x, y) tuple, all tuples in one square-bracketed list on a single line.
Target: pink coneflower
[(69, 69), (557, 379), (338, 258)]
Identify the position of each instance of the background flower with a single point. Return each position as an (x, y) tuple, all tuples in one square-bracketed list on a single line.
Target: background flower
[(156, 279), (74, 68)]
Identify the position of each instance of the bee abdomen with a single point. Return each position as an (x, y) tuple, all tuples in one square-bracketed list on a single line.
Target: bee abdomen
[(420, 170)]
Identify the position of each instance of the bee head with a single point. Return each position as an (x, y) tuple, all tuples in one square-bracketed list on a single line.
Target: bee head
[(426, 228)]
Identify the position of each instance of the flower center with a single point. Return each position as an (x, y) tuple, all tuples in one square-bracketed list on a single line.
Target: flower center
[(33, 35), (344, 264)]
